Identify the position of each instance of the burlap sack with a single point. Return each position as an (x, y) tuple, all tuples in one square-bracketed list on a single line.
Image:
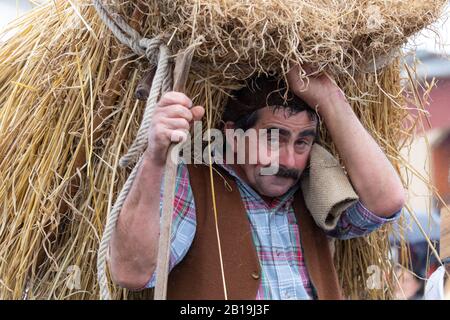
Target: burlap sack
[(326, 188)]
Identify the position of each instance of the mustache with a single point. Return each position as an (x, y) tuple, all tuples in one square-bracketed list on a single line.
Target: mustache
[(284, 172)]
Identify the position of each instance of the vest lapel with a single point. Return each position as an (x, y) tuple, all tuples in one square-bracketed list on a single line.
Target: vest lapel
[(199, 276)]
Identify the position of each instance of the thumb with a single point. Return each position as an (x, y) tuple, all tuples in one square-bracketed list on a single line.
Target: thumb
[(197, 112)]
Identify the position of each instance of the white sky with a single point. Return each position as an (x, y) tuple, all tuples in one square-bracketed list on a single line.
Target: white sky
[(9, 9), (429, 40)]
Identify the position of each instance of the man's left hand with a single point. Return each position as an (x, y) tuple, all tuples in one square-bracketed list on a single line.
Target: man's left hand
[(374, 178), (318, 92)]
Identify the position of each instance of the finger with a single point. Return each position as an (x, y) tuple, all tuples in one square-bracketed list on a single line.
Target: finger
[(308, 69), (174, 97), (198, 112), (176, 123), (175, 111), (178, 136), (299, 82)]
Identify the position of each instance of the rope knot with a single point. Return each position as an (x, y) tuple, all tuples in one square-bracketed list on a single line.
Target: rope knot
[(152, 48), (158, 55)]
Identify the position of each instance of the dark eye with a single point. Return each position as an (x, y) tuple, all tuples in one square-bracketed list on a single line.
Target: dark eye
[(301, 145)]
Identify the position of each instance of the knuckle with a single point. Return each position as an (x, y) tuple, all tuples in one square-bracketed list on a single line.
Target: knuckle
[(182, 99), (166, 98), (160, 104), (178, 135)]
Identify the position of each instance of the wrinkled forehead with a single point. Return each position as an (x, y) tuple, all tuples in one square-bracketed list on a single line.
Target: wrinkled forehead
[(285, 118)]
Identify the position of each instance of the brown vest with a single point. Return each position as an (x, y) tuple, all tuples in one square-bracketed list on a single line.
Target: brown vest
[(199, 275)]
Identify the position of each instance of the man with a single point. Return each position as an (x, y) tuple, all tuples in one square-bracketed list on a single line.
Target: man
[(262, 244)]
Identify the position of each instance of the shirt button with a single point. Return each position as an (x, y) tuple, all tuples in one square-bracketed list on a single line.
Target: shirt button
[(255, 275), (277, 252), (286, 295)]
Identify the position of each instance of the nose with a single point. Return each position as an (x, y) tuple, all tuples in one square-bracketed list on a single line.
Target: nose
[(287, 156)]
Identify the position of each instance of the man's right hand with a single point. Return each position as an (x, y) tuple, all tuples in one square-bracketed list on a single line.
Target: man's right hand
[(172, 119), (134, 243)]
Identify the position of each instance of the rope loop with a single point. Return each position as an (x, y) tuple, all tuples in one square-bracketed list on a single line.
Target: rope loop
[(158, 55), (152, 48)]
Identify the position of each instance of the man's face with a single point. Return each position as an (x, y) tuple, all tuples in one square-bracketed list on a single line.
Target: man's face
[(296, 136)]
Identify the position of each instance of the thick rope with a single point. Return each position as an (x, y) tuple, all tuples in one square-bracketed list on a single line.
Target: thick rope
[(158, 55), (162, 82), (121, 30)]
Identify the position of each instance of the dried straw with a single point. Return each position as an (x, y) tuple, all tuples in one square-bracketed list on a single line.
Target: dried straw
[(241, 38)]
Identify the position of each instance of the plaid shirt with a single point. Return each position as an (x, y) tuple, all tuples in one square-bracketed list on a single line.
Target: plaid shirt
[(275, 235)]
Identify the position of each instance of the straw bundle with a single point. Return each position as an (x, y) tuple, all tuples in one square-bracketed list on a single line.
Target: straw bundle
[(242, 37), (67, 113)]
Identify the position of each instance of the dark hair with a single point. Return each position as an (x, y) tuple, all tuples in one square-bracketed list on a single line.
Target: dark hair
[(261, 92)]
